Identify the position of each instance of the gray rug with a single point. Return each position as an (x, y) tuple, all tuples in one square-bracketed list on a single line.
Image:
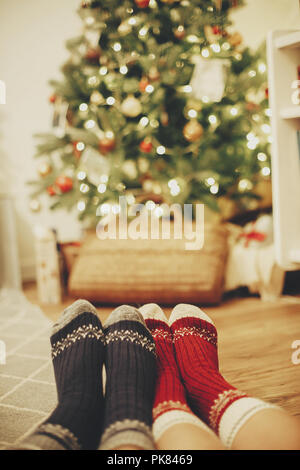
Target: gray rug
[(27, 388)]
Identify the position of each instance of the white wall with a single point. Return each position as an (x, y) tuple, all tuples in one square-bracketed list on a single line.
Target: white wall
[(32, 35)]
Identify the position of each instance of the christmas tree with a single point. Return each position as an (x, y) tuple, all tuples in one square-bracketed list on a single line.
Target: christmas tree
[(160, 103)]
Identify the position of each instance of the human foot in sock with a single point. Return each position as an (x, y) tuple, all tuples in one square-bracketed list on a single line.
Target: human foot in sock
[(130, 381), (77, 343), (224, 408), (170, 404)]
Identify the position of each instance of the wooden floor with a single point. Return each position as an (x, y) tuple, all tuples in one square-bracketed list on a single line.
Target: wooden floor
[(255, 341)]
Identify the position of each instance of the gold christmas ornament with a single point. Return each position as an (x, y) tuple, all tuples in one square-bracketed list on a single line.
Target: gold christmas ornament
[(235, 39), (143, 164), (157, 188), (129, 168), (147, 185), (124, 28), (192, 131), (44, 169), (97, 98), (103, 60), (34, 205), (245, 185), (197, 105), (131, 106)]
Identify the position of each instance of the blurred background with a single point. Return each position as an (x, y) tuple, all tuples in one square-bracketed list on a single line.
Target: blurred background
[(32, 50)]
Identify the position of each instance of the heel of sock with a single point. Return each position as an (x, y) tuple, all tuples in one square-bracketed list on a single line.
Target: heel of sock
[(127, 432)]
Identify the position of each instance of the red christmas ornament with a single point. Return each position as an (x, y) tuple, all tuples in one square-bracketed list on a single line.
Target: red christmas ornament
[(92, 55), (267, 92), (106, 145), (51, 191), (64, 183), (142, 3), (216, 30), (53, 98), (143, 84), (179, 32), (250, 106), (146, 146)]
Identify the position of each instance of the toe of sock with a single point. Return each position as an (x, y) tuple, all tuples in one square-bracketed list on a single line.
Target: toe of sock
[(153, 312), (187, 310), (124, 312), (70, 313)]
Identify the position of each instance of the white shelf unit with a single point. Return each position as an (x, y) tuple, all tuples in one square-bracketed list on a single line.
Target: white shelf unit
[(288, 39), (291, 112), (283, 56)]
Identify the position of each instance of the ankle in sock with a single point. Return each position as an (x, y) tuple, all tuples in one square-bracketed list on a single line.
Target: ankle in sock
[(130, 380), (224, 408), (170, 405), (77, 342)]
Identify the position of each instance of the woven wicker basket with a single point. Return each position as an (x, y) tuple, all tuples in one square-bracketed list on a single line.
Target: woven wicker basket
[(140, 271)]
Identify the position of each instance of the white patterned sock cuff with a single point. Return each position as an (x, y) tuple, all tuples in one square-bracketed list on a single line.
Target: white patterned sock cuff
[(173, 417), (237, 414)]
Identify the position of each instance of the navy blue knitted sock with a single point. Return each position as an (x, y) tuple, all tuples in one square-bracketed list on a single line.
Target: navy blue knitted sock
[(77, 342), (130, 363)]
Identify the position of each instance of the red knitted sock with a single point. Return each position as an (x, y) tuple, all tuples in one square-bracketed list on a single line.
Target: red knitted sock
[(170, 404), (224, 408)]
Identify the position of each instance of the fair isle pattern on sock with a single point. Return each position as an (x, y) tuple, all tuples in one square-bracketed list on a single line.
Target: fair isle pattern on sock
[(170, 406), (222, 402), (223, 407), (130, 380), (80, 333), (209, 336)]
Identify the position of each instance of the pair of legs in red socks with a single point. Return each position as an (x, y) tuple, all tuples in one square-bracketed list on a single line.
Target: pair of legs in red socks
[(190, 388)]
